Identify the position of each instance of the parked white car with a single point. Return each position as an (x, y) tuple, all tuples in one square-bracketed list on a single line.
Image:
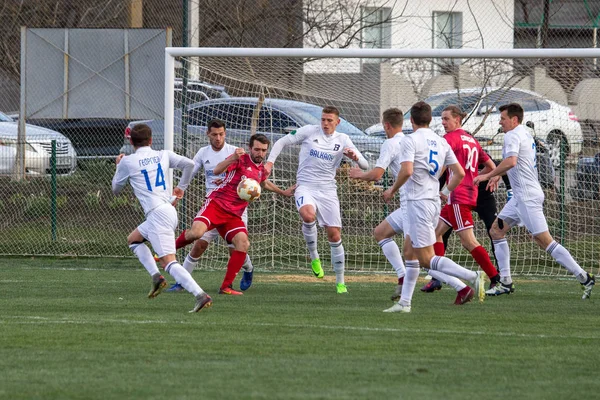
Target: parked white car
[(38, 149), (555, 124)]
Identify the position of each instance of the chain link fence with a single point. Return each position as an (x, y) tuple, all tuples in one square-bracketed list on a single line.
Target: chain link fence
[(81, 216)]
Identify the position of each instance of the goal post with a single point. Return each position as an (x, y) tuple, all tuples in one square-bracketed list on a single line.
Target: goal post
[(274, 90)]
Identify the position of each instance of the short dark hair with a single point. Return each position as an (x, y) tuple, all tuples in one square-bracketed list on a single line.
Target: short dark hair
[(140, 135), (455, 111), (513, 110), (215, 123), (394, 117), (331, 110), (420, 113), (259, 137)]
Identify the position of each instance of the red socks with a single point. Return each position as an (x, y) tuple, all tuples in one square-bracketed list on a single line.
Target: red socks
[(181, 241), (483, 259), (439, 249), (233, 267)]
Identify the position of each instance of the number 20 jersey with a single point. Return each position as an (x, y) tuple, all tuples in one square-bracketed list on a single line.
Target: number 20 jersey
[(429, 153), (469, 154)]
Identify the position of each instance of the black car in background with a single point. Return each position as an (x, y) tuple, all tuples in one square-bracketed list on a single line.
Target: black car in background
[(103, 137), (587, 179)]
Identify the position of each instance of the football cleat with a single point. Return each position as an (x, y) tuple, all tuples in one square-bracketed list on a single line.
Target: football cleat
[(398, 308), (397, 293), (229, 291), (479, 286), (588, 286), (316, 268), (341, 288), (246, 281), (432, 286), (500, 288), (158, 284), (202, 301), (465, 298), (176, 287)]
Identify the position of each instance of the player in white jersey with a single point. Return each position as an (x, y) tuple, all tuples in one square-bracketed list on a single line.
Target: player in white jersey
[(526, 206), (423, 159), (322, 150), (147, 172), (393, 224), (207, 159)]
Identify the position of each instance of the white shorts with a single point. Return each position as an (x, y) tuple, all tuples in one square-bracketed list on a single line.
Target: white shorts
[(159, 229), (528, 213), (397, 220), (325, 202), (422, 217), (213, 233)]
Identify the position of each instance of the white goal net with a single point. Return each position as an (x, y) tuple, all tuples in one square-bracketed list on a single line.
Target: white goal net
[(274, 91)]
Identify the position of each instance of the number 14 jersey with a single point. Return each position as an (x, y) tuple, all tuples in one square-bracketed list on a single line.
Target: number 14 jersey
[(469, 154)]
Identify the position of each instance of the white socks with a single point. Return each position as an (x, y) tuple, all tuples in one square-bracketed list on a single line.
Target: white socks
[(248, 267), (451, 268), (338, 260), (456, 283), (503, 257), (184, 278), (144, 254), (190, 263), (392, 253), (310, 236), (410, 281), (564, 258)]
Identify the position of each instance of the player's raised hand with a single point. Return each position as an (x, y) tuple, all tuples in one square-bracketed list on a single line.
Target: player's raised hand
[(388, 195), (268, 167), (289, 192), (355, 173), (348, 152), (238, 153), (119, 158), (493, 184), (480, 178), (177, 192)]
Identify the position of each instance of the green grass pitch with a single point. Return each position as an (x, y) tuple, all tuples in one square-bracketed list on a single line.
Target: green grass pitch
[(84, 329)]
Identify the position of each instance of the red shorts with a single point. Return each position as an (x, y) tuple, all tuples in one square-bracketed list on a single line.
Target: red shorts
[(458, 216), (228, 225)]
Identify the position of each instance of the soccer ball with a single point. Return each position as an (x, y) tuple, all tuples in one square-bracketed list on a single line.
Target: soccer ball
[(248, 189)]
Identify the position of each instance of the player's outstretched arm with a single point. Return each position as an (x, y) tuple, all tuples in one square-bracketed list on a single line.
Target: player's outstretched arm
[(121, 175), (185, 165), (232, 159), (405, 172), (271, 187), (373, 175), (501, 169), (293, 137)]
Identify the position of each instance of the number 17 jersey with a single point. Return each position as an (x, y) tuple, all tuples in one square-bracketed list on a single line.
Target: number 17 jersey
[(469, 154)]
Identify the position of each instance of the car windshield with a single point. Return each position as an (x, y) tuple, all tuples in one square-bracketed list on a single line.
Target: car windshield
[(465, 101), (312, 116), (5, 118)]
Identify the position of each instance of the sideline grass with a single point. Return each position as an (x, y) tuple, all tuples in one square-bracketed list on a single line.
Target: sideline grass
[(84, 329)]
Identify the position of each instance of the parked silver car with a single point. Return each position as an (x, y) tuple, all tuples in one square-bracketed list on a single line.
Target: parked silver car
[(38, 149), (276, 118)]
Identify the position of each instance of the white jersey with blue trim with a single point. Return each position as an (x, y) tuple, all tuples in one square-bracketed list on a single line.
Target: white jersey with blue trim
[(523, 176), (207, 158), (147, 172), (429, 153), (389, 157)]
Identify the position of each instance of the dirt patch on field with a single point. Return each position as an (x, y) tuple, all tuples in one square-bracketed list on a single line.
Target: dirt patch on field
[(297, 278)]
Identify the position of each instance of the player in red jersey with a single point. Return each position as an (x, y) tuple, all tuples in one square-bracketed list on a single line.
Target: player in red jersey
[(223, 208), (456, 214)]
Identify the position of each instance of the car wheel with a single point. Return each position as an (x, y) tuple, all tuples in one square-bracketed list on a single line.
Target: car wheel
[(554, 141)]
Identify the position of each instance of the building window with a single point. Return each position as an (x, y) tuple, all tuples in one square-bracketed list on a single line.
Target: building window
[(376, 32), (447, 34)]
